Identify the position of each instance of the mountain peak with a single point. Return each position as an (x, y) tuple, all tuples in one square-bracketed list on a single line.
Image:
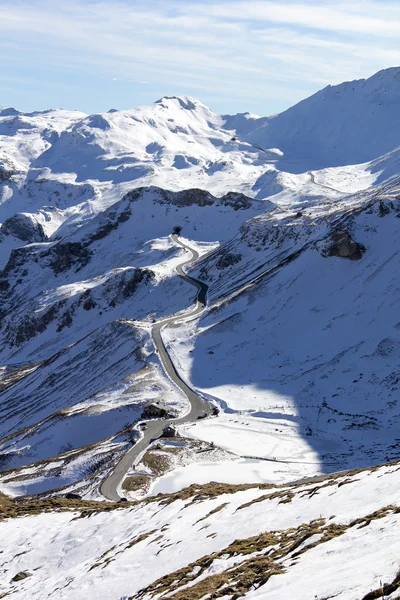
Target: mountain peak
[(185, 102)]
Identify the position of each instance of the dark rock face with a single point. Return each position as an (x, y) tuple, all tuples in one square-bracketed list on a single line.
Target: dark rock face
[(236, 201), (185, 198), (23, 228), (124, 285), (69, 254), (18, 258), (5, 174), (30, 326), (227, 260), (20, 576), (155, 410), (112, 223), (344, 246), (72, 496)]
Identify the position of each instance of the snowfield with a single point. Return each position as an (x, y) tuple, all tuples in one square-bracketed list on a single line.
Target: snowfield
[(286, 319), (336, 537)]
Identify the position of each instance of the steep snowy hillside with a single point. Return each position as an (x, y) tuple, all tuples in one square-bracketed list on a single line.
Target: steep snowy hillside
[(71, 361), (332, 538), (346, 124), (274, 330), (300, 342)]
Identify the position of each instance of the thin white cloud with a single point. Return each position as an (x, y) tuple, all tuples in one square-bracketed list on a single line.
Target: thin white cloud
[(373, 18)]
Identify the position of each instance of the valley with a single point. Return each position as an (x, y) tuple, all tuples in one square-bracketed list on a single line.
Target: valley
[(199, 349)]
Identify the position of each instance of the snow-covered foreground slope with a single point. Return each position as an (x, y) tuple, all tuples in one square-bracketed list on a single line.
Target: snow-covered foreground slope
[(332, 538)]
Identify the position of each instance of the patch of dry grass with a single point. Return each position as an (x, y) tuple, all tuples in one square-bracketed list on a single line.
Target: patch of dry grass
[(137, 483), (11, 508), (212, 512), (157, 462)]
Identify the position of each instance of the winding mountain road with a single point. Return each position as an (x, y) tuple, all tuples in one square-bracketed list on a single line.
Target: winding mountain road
[(198, 406), (321, 185)]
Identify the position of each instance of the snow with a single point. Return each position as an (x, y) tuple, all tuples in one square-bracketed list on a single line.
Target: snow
[(59, 550), (234, 471), (298, 346)]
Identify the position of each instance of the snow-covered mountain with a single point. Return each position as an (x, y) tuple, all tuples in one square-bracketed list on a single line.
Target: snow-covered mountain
[(346, 124), (293, 222)]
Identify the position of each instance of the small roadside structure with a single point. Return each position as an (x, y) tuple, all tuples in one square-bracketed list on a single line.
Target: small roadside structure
[(169, 432)]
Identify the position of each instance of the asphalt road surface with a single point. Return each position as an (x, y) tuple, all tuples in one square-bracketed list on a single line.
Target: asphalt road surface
[(198, 406)]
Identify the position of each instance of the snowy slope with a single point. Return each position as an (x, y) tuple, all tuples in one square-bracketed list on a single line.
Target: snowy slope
[(71, 361), (334, 538), (300, 343), (346, 124), (87, 205)]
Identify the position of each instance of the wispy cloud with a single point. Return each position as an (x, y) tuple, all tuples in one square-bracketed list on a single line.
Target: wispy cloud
[(258, 50)]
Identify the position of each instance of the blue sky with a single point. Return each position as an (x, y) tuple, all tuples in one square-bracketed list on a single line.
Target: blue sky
[(258, 56)]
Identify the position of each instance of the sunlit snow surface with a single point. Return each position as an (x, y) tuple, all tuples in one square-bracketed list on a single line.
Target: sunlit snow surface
[(302, 362), (115, 554)]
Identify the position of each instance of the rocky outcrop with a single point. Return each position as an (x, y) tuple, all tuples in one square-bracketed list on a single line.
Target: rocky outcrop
[(113, 221), (5, 174), (200, 197), (343, 246), (227, 260), (62, 313), (21, 576), (23, 227), (189, 197), (64, 256), (155, 410), (236, 201)]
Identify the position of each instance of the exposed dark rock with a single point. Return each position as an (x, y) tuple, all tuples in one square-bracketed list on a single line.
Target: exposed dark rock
[(134, 195), (24, 228), (89, 304), (236, 200), (113, 221), (227, 260), (18, 258), (156, 410), (5, 174), (185, 197), (21, 575), (65, 321), (124, 284), (31, 326), (344, 246), (72, 496), (384, 209), (63, 256), (139, 276)]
